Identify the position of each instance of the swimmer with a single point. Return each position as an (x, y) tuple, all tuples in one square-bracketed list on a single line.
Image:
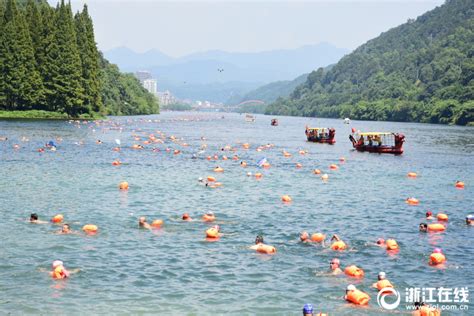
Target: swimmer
[(142, 223), (382, 281), (380, 242), (261, 247), (308, 310), (334, 266), (186, 217), (429, 215), (349, 289), (258, 241), (423, 227), (66, 229), (470, 220), (304, 237), (209, 217), (59, 271), (34, 219)]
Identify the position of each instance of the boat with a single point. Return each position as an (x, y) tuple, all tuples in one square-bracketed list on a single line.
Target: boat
[(378, 142), (274, 122), (320, 135), (347, 120), (249, 118)]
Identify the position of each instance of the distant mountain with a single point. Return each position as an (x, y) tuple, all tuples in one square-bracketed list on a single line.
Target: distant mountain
[(420, 71), (269, 92), (244, 69)]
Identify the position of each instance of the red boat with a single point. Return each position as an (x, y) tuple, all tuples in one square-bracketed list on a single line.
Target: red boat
[(320, 135), (378, 142)]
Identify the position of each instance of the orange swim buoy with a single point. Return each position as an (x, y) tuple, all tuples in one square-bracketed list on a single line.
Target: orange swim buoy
[(208, 218), (333, 167), (116, 149), (459, 184), (266, 165), (318, 237), (212, 233), (342, 159), (286, 154), (90, 228), (218, 169), (266, 249), (358, 297), (412, 174), (412, 201), (317, 171), (59, 273), (211, 179), (258, 175), (57, 218), (354, 271), (442, 217), (123, 185), (339, 245), (116, 163), (157, 223), (383, 284), (298, 165), (208, 157), (246, 145), (437, 258), (286, 198), (391, 244), (436, 227)]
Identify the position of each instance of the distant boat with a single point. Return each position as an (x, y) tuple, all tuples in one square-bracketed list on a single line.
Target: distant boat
[(249, 118), (378, 142), (320, 135), (347, 120), (274, 122)]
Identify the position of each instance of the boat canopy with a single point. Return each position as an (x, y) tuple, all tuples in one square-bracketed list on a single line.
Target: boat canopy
[(316, 128), (375, 134)]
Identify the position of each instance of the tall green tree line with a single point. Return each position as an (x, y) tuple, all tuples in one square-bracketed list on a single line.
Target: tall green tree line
[(49, 61), (420, 71)]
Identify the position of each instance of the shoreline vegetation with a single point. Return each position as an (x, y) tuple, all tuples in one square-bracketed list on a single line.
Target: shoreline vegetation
[(46, 115), (51, 68)]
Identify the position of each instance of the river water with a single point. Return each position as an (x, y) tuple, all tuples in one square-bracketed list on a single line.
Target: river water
[(174, 270)]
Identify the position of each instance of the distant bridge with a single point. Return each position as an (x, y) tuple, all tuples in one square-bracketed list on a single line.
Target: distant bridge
[(250, 101)]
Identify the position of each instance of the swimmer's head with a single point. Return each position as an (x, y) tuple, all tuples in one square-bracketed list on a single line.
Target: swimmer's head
[(469, 219), (57, 263), (437, 250), (66, 228), (200, 179), (185, 216), (259, 239), (381, 275), (304, 236), (380, 241), (216, 227), (335, 263), (429, 214), (210, 213), (423, 227), (350, 287), (142, 220), (307, 310), (33, 217)]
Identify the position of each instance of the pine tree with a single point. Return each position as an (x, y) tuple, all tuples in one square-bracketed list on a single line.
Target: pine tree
[(66, 76), (89, 60), (21, 87), (2, 57)]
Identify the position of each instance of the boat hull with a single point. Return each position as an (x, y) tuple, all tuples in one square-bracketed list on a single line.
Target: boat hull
[(380, 149), (330, 141)]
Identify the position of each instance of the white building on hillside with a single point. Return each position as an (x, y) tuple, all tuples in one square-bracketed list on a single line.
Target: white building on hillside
[(150, 85), (166, 98)]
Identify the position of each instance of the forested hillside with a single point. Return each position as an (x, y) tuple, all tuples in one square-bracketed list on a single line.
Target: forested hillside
[(49, 61), (421, 71)]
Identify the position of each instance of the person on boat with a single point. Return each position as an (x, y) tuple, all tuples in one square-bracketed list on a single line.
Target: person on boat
[(335, 266), (369, 138), (142, 223), (423, 227), (34, 219), (360, 142), (470, 220)]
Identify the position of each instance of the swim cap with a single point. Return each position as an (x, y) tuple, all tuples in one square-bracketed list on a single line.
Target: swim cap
[(216, 227), (210, 213), (470, 217), (351, 287), (307, 308), (429, 213), (437, 250), (335, 260), (57, 263), (381, 274), (380, 241)]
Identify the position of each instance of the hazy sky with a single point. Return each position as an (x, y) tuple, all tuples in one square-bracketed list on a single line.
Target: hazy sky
[(182, 27)]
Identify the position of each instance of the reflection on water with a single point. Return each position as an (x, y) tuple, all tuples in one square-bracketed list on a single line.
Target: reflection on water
[(127, 270)]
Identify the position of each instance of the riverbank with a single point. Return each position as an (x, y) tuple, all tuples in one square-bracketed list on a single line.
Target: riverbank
[(45, 115)]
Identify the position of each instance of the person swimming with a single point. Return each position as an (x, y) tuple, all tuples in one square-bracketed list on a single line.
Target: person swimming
[(429, 215), (334, 266), (470, 220), (423, 227), (59, 271), (66, 229), (34, 219), (142, 223), (261, 247)]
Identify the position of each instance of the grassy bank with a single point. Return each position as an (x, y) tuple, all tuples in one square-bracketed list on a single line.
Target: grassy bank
[(44, 115)]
